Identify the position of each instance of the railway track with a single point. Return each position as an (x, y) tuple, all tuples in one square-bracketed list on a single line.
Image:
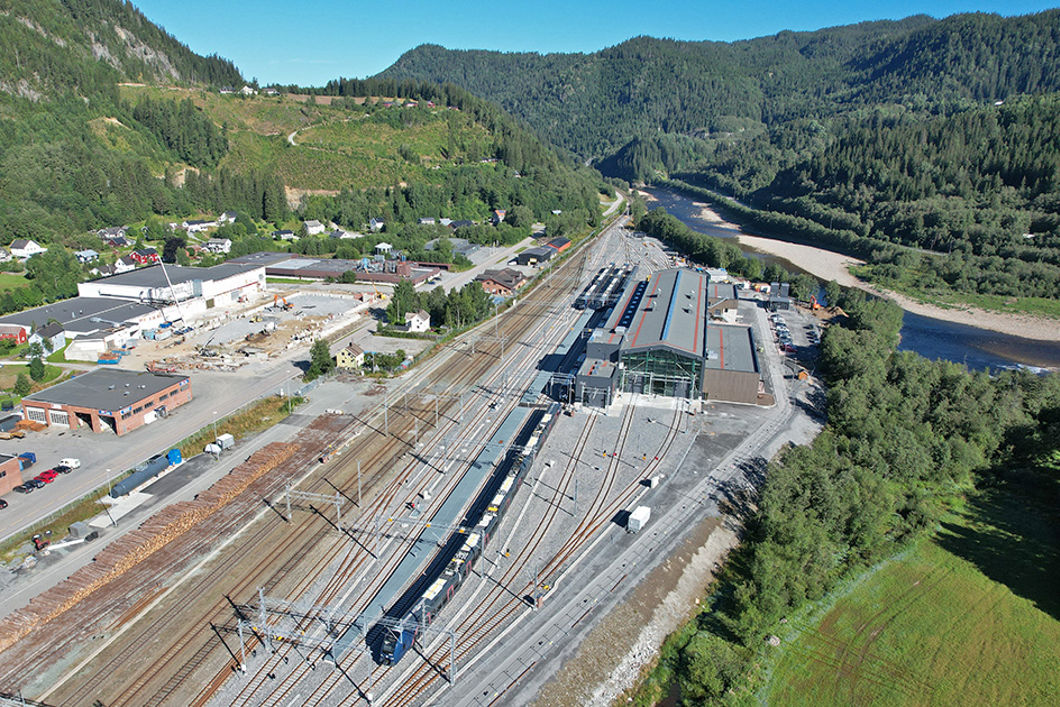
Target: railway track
[(499, 608)]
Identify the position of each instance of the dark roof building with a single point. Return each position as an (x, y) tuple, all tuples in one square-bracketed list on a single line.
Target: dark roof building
[(535, 256), (108, 399), (661, 339), (501, 282), (559, 244)]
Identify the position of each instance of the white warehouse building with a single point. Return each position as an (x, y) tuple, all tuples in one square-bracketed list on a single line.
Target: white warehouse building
[(196, 289)]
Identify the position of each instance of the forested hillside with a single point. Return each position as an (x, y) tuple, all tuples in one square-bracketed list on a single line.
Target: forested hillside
[(593, 104), (929, 147), (106, 120)]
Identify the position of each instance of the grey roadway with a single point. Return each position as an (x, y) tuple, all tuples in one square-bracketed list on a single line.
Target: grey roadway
[(118, 454)]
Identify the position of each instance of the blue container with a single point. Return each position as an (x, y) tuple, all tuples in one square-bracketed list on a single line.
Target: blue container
[(174, 457)]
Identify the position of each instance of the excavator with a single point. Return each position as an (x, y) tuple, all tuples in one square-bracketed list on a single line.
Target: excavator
[(286, 306)]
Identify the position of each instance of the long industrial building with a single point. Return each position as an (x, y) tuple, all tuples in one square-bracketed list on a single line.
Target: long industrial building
[(659, 339)]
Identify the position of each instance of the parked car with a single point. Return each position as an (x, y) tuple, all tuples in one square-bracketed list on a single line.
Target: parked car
[(37, 483), (3, 504), (26, 488), (62, 469)]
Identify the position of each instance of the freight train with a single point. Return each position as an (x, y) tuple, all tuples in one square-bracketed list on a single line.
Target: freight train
[(464, 549)]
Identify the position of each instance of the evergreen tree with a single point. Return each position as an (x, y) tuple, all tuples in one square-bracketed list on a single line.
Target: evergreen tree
[(22, 385), (36, 368)]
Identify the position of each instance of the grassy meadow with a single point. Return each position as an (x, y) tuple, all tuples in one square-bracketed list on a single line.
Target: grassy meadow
[(969, 617)]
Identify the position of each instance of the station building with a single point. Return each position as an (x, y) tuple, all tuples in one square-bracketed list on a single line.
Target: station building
[(659, 339), (108, 399), (10, 473)]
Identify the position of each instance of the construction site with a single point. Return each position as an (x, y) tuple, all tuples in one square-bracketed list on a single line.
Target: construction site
[(382, 554)]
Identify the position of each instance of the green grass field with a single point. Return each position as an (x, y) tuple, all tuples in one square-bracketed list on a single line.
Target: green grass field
[(967, 618), (11, 281)]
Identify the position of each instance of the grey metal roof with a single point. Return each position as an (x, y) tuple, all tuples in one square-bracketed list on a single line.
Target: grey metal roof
[(672, 313), (75, 315), (263, 257), (731, 348), (721, 290), (153, 277), (106, 389)]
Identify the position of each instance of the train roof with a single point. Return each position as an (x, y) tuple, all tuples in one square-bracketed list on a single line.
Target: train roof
[(434, 589)]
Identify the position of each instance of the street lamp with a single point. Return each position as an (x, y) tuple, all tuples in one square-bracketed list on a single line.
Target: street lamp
[(215, 424)]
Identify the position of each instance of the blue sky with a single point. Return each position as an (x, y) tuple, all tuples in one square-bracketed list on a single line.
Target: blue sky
[(308, 42)]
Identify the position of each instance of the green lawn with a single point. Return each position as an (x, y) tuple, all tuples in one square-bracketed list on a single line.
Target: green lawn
[(967, 618), (11, 281)]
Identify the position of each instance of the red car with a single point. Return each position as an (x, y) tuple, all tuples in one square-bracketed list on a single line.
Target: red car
[(47, 476)]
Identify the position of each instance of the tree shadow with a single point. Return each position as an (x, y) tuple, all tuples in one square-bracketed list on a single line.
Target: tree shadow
[(1010, 533)]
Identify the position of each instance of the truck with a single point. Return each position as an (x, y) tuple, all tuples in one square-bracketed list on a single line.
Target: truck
[(638, 518), (70, 463), (27, 459), (225, 441)]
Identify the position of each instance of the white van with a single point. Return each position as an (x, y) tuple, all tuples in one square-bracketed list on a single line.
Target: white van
[(70, 463)]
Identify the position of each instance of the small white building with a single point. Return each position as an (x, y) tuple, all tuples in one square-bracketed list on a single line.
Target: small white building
[(313, 227), (417, 321), (227, 217), (383, 248), (219, 245), (23, 248), (376, 224), (86, 256), (285, 235), (248, 91), (426, 221), (197, 225)]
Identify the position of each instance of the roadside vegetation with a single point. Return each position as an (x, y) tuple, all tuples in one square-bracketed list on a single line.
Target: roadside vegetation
[(915, 452)]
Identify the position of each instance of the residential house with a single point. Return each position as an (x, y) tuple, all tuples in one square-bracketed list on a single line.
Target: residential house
[(313, 227), (219, 245), (227, 217), (117, 241), (383, 248), (145, 256), (498, 216), (417, 321), (124, 264), (349, 357), (501, 282), (86, 256), (112, 232), (23, 248), (198, 225), (285, 235), (557, 212), (462, 223), (426, 221), (445, 221), (51, 336), (248, 91), (5, 255), (227, 91), (376, 224), (271, 92), (15, 332)]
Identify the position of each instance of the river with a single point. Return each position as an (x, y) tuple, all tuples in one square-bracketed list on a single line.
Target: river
[(979, 349)]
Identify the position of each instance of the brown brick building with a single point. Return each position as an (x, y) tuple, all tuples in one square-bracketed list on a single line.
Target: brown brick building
[(10, 473), (108, 399)]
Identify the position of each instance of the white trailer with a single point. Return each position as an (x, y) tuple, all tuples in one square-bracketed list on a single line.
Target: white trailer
[(638, 518)]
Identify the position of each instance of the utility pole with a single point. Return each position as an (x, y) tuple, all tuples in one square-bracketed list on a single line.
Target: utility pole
[(358, 483)]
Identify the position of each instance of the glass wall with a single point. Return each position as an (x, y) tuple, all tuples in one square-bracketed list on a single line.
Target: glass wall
[(661, 372)]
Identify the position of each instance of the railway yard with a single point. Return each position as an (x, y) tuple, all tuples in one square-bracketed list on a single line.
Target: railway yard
[(462, 478)]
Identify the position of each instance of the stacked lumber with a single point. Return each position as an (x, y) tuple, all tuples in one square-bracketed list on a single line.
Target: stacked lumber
[(31, 425), (133, 548)]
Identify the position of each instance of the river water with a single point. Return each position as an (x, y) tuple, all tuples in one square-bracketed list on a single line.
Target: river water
[(979, 349)]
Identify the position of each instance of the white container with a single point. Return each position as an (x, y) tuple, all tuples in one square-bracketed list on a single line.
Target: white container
[(225, 441), (638, 518)]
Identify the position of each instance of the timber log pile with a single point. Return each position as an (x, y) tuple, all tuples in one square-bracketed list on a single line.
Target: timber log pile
[(123, 554)]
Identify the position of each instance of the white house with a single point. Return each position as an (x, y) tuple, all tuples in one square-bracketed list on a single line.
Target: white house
[(285, 235), (376, 224), (4, 255), (314, 227), (383, 248), (426, 221), (417, 321), (247, 91), (219, 245), (195, 226), (23, 248), (86, 256), (52, 333), (227, 217)]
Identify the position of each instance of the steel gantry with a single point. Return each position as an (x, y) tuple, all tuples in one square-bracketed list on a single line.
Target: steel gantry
[(320, 627), (304, 496)]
